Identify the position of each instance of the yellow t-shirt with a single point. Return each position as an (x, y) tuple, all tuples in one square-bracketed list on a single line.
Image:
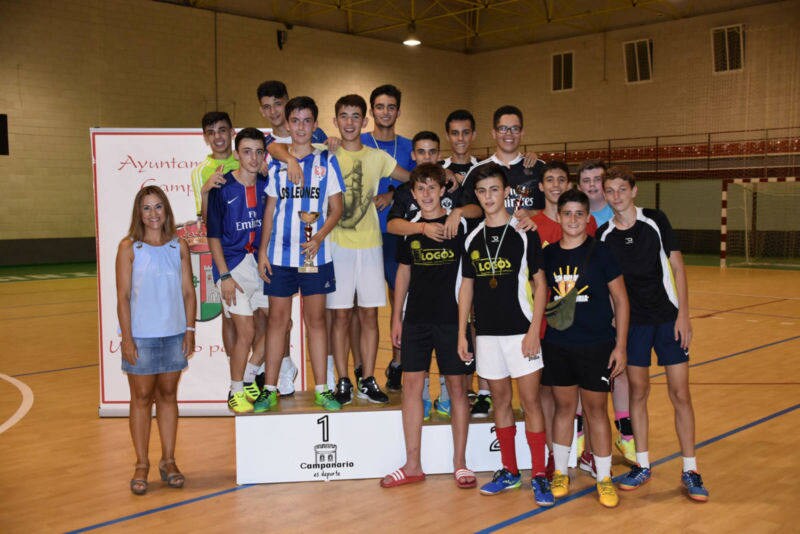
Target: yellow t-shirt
[(361, 171), (203, 172)]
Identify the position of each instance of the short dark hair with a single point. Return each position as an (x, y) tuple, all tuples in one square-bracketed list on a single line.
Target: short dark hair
[(506, 110), (213, 117), (459, 115), (556, 164), (356, 101), (573, 195), (389, 90), (301, 102), (427, 171), (590, 165), (489, 170), (425, 135), (622, 172), (272, 88), (250, 133)]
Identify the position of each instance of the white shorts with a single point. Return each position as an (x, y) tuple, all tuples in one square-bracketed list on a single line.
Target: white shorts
[(359, 278), (501, 356), (246, 275)]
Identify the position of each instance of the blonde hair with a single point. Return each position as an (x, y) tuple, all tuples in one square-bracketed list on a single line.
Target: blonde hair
[(136, 230)]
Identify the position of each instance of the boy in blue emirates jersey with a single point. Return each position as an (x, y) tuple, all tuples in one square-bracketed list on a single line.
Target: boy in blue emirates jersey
[(284, 246)]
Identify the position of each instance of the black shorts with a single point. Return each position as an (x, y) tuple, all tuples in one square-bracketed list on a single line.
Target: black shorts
[(585, 366), (418, 341)]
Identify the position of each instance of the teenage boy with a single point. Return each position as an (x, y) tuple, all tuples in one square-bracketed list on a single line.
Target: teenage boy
[(555, 181), (459, 127), (643, 242), (590, 181), (584, 355), (356, 249), (284, 247), (234, 232), (501, 262), (427, 285)]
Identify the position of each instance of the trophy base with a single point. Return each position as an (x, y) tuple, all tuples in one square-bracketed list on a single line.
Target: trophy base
[(308, 269)]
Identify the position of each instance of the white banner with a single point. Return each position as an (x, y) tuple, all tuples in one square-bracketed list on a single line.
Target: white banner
[(124, 161)]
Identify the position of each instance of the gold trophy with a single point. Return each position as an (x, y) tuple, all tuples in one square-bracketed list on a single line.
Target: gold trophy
[(309, 218)]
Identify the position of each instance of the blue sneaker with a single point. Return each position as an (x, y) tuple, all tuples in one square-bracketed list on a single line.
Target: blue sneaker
[(501, 481), (426, 409), (693, 483), (636, 477), (442, 407), (541, 492)]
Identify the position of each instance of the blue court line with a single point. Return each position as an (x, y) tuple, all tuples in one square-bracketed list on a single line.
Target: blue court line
[(56, 370), (591, 489), (745, 351)]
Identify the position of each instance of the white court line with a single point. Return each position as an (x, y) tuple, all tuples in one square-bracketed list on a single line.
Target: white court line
[(745, 295), (24, 408)]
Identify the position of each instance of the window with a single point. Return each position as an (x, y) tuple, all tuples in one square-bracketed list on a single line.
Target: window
[(562, 71), (639, 60), (728, 44)]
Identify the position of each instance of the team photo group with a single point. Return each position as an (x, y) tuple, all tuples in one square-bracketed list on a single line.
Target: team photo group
[(551, 285)]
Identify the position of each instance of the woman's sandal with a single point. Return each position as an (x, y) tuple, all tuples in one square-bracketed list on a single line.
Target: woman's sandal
[(465, 479), (139, 485), (173, 480)]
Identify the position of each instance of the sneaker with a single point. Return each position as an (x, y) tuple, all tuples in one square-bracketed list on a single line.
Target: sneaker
[(541, 492), (344, 391), (586, 463), (627, 447), (238, 403), (359, 372), (368, 389), (286, 377), (606, 493), (327, 401), (442, 407), (261, 404), (394, 378), (636, 477), (501, 481), (426, 409), (560, 484), (482, 407), (693, 483), (251, 391)]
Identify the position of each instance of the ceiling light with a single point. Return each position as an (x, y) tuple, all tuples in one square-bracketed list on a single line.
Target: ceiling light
[(412, 39)]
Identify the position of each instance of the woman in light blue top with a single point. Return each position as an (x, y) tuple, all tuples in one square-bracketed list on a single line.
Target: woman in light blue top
[(156, 310)]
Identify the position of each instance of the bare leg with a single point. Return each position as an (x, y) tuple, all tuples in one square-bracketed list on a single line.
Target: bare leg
[(355, 339), (678, 387), (412, 421), (316, 333), (368, 317), (566, 401), (142, 393), (245, 333), (228, 334), (595, 411), (528, 387), (501, 396), (639, 380), (395, 350), (339, 336), (259, 347), (549, 412), (459, 418), (280, 312), (167, 416)]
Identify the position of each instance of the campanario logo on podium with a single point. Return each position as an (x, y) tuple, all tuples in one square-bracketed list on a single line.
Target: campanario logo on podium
[(326, 464)]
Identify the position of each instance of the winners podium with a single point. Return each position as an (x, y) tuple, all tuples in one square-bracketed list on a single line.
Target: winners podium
[(300, 442)]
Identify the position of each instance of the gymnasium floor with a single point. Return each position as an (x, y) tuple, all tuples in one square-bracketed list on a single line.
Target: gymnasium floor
[(64, 469)]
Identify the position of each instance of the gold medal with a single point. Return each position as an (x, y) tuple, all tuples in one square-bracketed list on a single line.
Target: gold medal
[(493, 282)]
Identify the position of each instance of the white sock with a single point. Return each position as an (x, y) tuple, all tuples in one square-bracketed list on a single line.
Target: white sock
[(330, 361), (643, 459), (250, 373), (271, 388), (321, 388), (603, 466), (262, 368), (485, 392), (561, 457), (237, 386), (690, 464), (444, 395), (426, 389)]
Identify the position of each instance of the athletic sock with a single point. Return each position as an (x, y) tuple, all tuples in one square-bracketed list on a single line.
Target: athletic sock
[(330, 361), (643, 459), (237, 386), (271, 388), (262, 368), (690, 463), (321, 388), (508, 449), (603, 466), (426, 389), (250, 373), (536, 442), (623, 424), (444, 396), (485, 392), (561, 457)]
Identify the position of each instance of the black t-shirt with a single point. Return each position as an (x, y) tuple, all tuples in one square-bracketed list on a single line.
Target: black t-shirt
[(435, 275), (517, 175), (508, 308), (566, 269), (404, 206), (643, 254)]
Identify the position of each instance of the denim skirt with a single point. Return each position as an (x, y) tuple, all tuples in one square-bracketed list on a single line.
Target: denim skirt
[(157, 355)]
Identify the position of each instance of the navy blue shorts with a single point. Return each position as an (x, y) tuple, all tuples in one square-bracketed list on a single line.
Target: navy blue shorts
[(157, 355), (643, 338), (286, 281), (390, 242)]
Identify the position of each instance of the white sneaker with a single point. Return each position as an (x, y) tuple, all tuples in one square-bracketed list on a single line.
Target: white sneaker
[(286, 377), (331, 378)]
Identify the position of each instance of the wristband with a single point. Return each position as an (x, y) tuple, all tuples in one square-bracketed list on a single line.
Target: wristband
[(225, 276), (190, 329)]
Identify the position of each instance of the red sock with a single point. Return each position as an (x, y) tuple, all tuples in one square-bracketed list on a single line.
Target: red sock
[(536, 441), (508, 450)]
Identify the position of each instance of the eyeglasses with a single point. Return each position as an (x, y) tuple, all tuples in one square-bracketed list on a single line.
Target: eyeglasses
[(503, 129)]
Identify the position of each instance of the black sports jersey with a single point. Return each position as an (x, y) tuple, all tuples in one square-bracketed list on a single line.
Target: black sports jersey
[(404, 206), (517, 174), (566, 269), (506, 309), (435, 275), (643, 254)]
